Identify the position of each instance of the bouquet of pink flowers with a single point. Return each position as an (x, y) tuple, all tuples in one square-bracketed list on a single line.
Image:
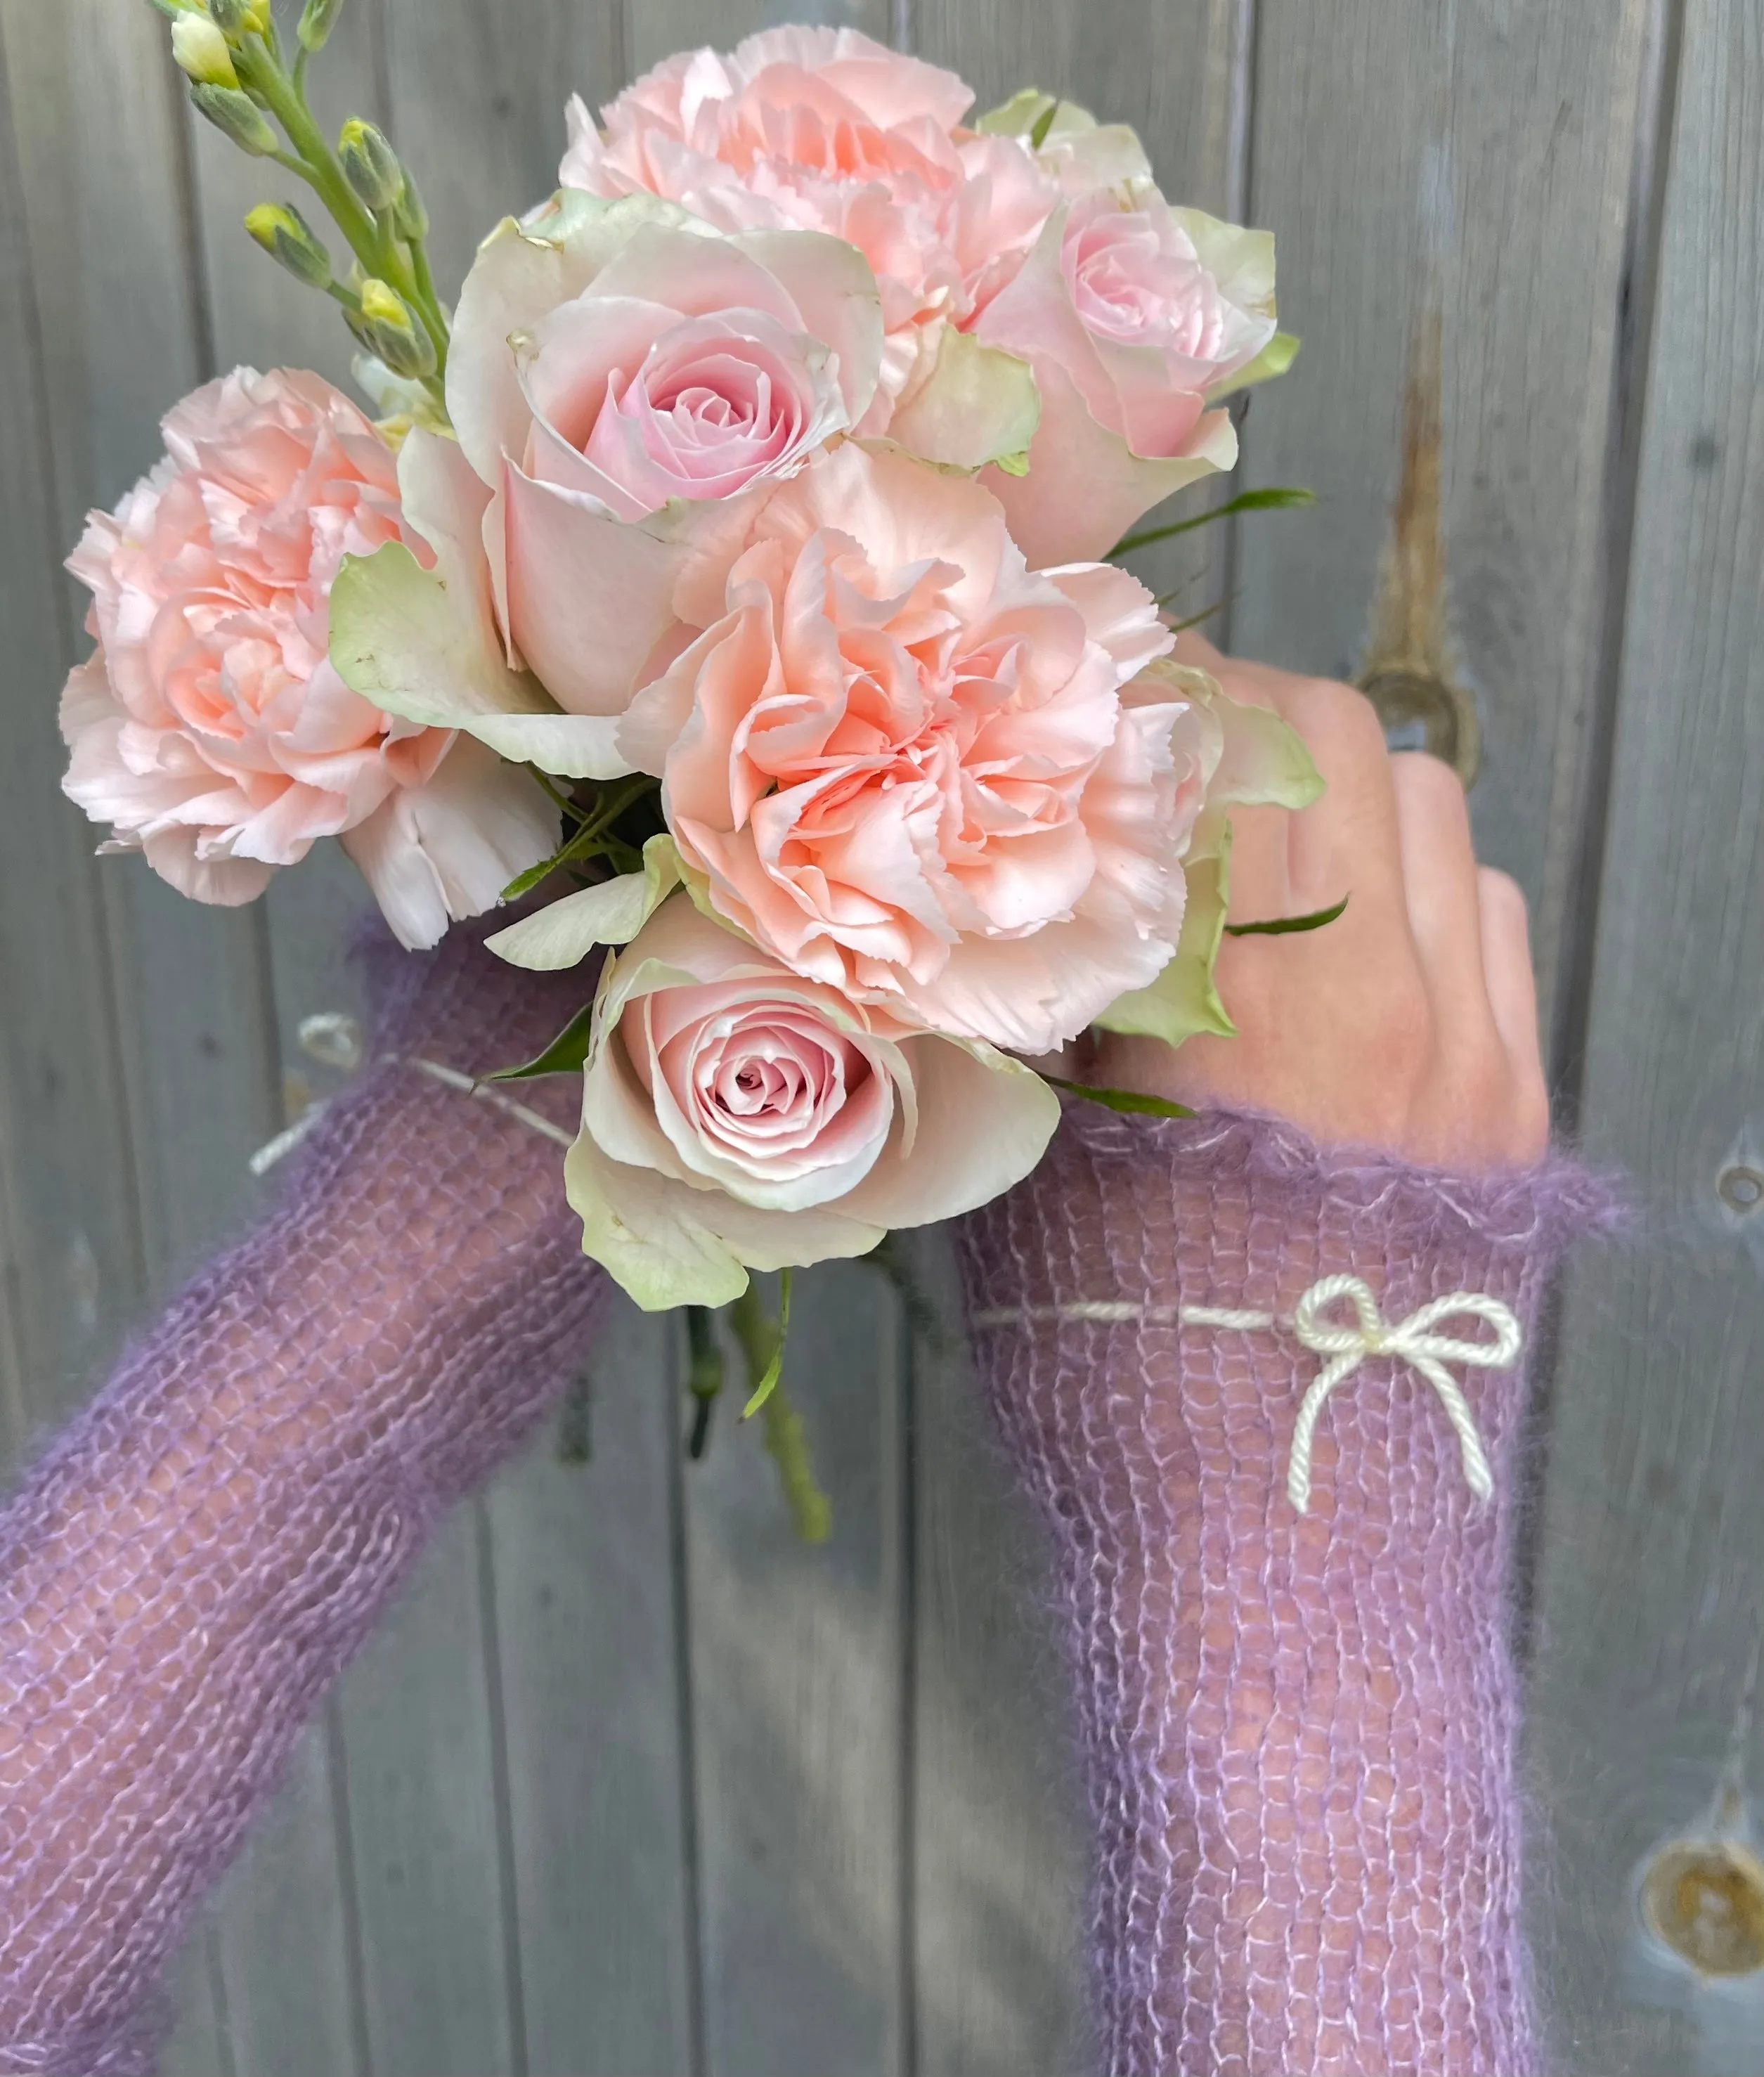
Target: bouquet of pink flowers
[(732, 565)]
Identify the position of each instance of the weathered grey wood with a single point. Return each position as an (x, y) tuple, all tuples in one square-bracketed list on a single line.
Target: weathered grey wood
[(477, 96), (656, 29), (587, 1618), (1653, 1576), (74, 1259), (797, 1711), (1000, 1835), (999, 1828), (1499, 140)]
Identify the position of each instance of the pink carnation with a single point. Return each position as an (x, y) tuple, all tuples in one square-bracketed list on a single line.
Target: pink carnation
[(903, 764), (208, 728), (824, 130)]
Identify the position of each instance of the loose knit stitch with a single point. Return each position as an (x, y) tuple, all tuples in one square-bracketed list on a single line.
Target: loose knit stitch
[(1299, 1728), (202, 1550)]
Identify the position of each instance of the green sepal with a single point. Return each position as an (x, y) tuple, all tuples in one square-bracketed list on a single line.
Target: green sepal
[(565, 1055), (767, 1384)]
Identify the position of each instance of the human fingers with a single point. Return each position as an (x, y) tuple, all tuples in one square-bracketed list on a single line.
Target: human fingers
[(1513, 1000), (1345, 842), (1440, 893)]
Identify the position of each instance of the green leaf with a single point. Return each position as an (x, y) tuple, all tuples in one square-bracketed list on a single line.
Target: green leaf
[(1043, 123), (1274, 498), (563, 1056), (1132, 1100), (1281, 926), (767, 1384)]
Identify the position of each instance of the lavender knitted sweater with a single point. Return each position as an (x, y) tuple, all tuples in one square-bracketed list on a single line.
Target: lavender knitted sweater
[(1298, 1729), (1299, 1732)]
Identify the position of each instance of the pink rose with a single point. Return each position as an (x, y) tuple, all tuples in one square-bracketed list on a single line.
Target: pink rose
[(736, 1115), (824, 129), (209, 727), (608, 361), (1131, 314), (902, 763)]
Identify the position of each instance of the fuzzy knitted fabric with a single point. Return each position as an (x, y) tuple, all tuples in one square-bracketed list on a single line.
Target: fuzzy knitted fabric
[(1298, 1729), (197, 1556)]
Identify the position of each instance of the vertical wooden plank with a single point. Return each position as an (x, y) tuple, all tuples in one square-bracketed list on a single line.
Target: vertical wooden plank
[(74, 1247), (999, 1834), (1484, 154), (477, 100), (1002, 1840), (585, 1597), (657, 28), (1653, 1573), (796, 1712)]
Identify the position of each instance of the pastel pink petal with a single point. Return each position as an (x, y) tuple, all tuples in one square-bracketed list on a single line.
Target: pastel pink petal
[(1085, 486), (694, 276), (588, 597), (1119, 611), (835, 294), (578, 347)]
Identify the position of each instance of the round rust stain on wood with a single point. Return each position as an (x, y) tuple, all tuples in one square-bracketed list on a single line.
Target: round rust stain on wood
[(1421, 712), (1705, 1899)]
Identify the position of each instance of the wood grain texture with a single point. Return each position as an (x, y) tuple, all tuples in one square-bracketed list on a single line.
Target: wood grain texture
[(656, 29), (1653, 1579), (586, 1599), (795, 1657), (1482, 153), (1000, 1837)]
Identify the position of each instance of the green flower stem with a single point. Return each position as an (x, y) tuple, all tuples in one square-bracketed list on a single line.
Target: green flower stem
[(786, 1439), (787, 1444), (260, 68)]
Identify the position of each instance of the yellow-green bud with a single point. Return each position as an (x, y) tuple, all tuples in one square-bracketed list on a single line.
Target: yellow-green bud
[(233, 111), (285, 235), (386, 327), (316, 22), (231, 17), (409, 213), (200, 49), (370, 164)]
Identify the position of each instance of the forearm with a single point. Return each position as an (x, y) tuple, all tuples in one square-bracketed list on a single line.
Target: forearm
[(200, 1554), (1299, 1727)]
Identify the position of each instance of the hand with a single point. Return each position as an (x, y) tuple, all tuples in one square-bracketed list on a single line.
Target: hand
[(1411, 1022)]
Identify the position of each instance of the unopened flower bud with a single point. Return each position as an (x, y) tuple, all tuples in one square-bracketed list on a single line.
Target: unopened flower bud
[(388, 328), (230, 16), (370, 164), (409, 213), (234, 112), (285, 235), (316, 22), (200, 49)]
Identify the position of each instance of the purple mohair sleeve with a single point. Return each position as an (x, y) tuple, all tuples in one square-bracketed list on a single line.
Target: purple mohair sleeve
[(1299, 1731), (196, 1558)]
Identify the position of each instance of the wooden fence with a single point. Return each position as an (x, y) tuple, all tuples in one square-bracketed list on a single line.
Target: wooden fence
[(633, 1786)]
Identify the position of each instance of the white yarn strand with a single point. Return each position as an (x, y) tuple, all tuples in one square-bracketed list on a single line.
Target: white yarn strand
[(278, 1149), (1346, 1344)]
